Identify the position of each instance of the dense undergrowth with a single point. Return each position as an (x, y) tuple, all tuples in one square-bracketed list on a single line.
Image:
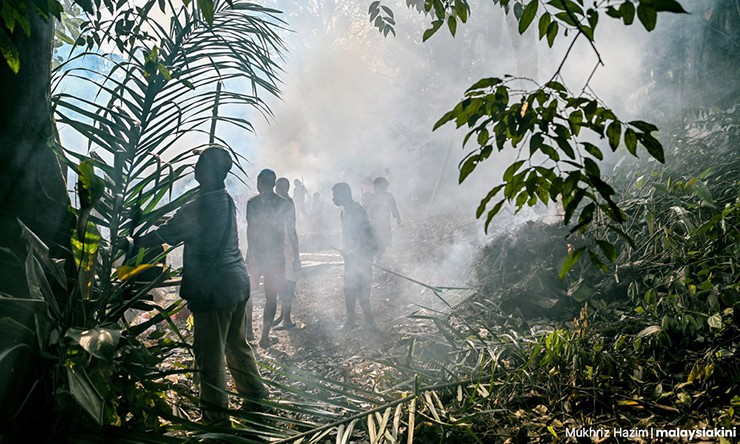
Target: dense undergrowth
[(649, 342)]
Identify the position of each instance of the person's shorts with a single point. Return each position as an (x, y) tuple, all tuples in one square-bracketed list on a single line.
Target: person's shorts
[(273, 278)]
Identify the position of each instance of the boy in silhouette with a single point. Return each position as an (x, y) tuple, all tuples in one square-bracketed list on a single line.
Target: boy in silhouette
[(292, 259), (267, 216), (358, 248), (381, 206)]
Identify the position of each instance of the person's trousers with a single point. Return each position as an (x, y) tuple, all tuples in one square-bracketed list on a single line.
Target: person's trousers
[(219, 341), (358, 276)]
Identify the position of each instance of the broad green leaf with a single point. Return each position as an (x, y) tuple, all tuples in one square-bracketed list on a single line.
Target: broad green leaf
[(90, 187), (484, 202), (467, 167), (593, 150), (567, 19), (715, 321), (207, 8), (567, 5), (98, 341), (461, 9), (535, 143), (8, 351), (614, 133), (557, 86), (571, 261), (512, 169), (630, 141), (518, 10), (543, 24), (608, 248), (647, 16), (452, 24), (430, 32), (85, 393), (10, 52), (551, 152), (494, 211), (592, 169), (125, 272), (484, 83), (552, 32), (563, 141), (663, 5), (575, 120), (528, 15), (643, 126), (652, 145), (627, 10), (613, 12), (596, 262)]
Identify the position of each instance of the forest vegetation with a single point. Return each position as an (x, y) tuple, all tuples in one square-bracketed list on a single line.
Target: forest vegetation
[(625, 314)]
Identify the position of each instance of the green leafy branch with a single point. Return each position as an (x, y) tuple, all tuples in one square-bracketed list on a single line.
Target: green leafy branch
[(382, 18), (561, 164), (555, 15), (449, 12)]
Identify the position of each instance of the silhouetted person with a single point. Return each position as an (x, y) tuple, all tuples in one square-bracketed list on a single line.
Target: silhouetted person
[(358, 248), (292, 258), (380, 206), (215, 284), (299, 196), (317, 213), (267, 216)]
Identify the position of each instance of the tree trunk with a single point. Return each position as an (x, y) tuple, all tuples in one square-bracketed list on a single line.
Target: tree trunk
[(32, 185), (33, 190)]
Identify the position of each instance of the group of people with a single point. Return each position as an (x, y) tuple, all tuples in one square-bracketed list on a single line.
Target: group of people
[(217, 281)]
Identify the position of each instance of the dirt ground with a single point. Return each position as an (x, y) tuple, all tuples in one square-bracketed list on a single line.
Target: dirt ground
[(436, 251)]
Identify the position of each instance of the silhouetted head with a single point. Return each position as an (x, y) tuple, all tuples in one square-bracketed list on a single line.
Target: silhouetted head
[(297, 182), (212, 167), (282, 185), (341, 194), (266, 180), (380, 184)]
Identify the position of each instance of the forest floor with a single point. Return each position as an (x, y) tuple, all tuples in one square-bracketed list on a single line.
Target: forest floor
[(437, 251)]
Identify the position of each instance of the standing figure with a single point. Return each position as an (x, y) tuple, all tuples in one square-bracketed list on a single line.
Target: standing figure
[(215, 284), (358, 248), (380, 206), (267, 216), (292, 258), (317, 213), (299, 196)]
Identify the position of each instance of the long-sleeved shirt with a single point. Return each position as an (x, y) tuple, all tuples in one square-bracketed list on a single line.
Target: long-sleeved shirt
[(214, 272)]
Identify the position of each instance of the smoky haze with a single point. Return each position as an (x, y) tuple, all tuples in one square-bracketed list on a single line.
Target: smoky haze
[(355, 103)]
